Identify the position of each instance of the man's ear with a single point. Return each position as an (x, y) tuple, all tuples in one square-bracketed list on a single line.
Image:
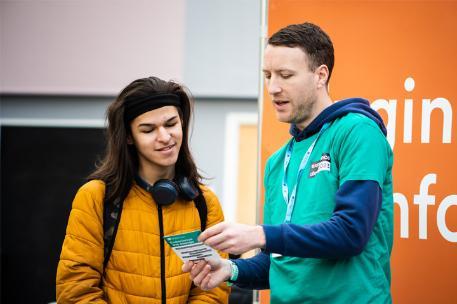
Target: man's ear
[(322, 74)]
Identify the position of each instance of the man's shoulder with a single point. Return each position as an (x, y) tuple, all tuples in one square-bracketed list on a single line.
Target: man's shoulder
[(355, 130), (353, 119), (356, 121)]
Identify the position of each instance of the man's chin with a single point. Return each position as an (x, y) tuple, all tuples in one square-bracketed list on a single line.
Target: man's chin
[(283, 118)]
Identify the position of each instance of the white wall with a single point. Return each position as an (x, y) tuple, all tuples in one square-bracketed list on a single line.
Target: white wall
[(223, 47), (88, 47)]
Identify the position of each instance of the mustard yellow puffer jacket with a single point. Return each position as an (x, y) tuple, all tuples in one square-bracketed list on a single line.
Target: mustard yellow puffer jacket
[(133, 271)]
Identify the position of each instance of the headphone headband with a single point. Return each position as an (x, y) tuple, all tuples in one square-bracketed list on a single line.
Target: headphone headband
[(165, 191)]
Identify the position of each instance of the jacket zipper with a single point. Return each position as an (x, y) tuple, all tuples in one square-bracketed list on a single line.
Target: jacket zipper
[(162, 257)]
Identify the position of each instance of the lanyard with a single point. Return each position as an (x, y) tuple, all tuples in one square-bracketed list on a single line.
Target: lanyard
[(290, 202)]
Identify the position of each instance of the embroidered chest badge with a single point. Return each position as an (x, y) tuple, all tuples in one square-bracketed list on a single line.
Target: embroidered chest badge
[(321, 165)]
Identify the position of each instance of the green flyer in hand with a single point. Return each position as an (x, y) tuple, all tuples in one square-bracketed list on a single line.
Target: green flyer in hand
[(188, 248)]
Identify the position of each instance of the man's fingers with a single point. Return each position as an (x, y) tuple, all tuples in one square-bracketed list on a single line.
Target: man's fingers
[(201, 275), (205, 283), (214, 230), (187, 266), (227, 245), (197, 268), (229, 249), (217, 241)]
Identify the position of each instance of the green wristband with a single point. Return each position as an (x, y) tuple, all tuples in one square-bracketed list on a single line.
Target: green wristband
[(234, 273)]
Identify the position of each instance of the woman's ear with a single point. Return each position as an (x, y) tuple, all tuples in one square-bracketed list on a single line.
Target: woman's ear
[(129, 140)]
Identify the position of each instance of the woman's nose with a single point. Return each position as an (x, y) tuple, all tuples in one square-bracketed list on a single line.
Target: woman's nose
[(163, 134)]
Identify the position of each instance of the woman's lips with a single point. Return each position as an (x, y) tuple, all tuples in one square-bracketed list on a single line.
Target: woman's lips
[(167, 148)]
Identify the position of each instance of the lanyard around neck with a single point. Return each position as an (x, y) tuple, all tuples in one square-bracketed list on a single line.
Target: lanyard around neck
[(290, 202)]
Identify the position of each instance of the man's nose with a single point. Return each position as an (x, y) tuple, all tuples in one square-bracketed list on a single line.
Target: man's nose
[(273, 87)]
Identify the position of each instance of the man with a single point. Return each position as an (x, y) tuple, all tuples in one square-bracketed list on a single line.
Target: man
[(328, 218)]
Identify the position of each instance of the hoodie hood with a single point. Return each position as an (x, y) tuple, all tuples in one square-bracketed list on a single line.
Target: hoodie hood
[(336, 110)]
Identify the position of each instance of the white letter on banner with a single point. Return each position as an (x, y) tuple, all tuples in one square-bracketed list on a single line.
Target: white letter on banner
[(427, 108), (449, 201), (423, 200), (408, 114)]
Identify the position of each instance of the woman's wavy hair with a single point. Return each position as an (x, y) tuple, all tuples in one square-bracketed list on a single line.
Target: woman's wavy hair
[(120, 162)]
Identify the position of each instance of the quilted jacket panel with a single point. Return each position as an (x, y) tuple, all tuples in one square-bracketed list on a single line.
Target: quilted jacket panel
[(133, 271)]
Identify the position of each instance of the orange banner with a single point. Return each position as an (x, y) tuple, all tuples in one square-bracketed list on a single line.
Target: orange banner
[(402, 57)]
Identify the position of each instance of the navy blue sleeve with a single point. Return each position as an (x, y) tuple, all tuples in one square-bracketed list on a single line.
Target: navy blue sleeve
[(344, 235), (253, 273)]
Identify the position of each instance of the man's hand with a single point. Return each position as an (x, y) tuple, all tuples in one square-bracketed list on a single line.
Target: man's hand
[(233, 238), (208, 274)]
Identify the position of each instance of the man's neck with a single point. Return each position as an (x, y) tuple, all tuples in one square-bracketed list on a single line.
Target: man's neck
[(320, 106)]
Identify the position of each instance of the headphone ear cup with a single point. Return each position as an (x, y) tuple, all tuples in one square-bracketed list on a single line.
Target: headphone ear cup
[(187, 190), (164, 192)]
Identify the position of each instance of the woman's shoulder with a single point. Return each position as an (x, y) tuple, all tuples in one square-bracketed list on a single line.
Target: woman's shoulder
[(212, 201), (208, 193), (215, 214), (94, 186), (90, 195)]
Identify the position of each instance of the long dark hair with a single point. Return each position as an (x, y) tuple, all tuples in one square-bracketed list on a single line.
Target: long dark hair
[(120, 162)]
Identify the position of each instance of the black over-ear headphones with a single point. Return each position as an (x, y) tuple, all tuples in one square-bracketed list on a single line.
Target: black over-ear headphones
[(166, 191)]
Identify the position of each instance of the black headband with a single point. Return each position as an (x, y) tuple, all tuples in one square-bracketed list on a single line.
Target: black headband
[(137, 106)]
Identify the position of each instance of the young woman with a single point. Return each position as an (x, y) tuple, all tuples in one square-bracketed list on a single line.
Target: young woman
[(149, 172)]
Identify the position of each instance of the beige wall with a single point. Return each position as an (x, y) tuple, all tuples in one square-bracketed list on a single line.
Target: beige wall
[(247, 175), (246, 206)]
